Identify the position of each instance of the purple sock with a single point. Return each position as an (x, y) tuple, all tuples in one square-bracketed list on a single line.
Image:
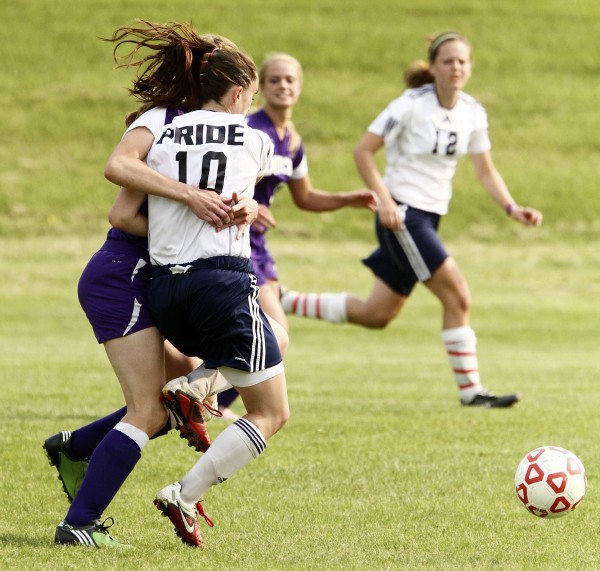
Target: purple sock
[(164, 430), (227, 397), (110, 464), (85, 439)]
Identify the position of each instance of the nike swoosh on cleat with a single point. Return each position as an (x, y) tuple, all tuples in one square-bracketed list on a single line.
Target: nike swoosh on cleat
[(184, 518)]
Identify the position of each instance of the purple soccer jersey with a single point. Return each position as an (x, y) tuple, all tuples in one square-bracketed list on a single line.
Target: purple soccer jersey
[(285, 160), (113, 287)]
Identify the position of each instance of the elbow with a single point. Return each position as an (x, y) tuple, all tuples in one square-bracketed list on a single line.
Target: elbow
[(109, 171), (112, 172), (115, 220)]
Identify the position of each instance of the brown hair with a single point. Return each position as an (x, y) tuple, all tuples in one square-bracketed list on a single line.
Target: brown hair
[(182, 68), (417, 73)]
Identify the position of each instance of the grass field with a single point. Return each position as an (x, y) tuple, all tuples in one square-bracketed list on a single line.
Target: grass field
[(379, 467)]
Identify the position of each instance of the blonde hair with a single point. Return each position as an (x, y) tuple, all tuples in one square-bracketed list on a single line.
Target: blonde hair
[(269, 60), (272, 57)]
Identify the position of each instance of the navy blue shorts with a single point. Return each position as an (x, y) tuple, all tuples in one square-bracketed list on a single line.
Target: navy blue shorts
[(410, 255), (211, 311), (113, 290)]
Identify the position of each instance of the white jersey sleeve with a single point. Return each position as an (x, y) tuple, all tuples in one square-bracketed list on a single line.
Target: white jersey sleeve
[(153, 120)]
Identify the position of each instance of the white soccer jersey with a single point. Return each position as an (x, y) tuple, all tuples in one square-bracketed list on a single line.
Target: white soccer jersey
[(214, 151), (423, 142)]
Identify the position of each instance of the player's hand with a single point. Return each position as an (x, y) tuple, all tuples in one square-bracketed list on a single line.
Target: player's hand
[(363, 198), (245, 211), (389, 215), (210, 207), (265, 219), (526, 215)]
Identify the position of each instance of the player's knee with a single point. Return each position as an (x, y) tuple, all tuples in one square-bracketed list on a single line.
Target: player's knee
[(379, 319), (462, 303), (281, 419)]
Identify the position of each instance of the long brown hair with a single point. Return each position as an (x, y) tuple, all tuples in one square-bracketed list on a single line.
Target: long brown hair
[(182, 68)]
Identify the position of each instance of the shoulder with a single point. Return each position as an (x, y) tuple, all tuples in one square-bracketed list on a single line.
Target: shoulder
[(153, 120), (258, 120), (259, 139), (474, 108), (470, 102), (411, 98)]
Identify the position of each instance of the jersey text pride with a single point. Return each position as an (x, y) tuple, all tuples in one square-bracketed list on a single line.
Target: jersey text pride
[(205, 134)]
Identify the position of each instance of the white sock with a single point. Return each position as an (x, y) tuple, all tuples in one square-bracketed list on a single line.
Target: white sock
[(461, 343), (136, 434), (235, 447), (328, 306)]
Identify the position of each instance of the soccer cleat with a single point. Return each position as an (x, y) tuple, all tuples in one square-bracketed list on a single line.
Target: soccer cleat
[(70, 470), (489, 400), (188, 410), (94, 534), (183, 516)]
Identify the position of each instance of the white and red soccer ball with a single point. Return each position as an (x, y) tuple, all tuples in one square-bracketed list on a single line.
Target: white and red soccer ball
[(550, 481)]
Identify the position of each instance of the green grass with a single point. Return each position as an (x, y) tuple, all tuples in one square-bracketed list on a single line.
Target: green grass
[(379, 467), (535, 68)]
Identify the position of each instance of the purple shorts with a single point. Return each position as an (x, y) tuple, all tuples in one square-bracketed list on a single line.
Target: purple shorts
[(113, 290), (265, 268)]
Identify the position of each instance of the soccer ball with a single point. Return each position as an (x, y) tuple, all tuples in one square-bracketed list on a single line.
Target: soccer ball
[(550, 481)]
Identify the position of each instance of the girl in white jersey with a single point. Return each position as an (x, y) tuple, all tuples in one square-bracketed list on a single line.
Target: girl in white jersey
[(113, 292), (203, 295), (424, 132)]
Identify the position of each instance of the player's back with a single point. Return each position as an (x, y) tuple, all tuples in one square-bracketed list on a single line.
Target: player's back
[(212, 151)]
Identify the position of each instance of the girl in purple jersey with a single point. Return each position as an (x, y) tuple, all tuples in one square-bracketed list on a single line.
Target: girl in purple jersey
[(424, 132), (280, 86), (113, 294)]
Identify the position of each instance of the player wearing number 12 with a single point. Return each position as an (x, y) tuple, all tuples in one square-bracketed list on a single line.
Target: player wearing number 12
[(424, 132)]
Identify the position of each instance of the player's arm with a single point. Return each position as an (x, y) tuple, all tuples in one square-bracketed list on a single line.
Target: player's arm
[(126, 168), (308, 198), (492, 181), (364, 156), (125, 212)]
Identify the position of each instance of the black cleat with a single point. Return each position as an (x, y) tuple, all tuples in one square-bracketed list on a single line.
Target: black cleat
[(70, 470), (489, 400), (94, 534)]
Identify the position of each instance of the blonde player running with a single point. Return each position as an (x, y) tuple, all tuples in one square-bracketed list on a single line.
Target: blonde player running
[(424, 132)]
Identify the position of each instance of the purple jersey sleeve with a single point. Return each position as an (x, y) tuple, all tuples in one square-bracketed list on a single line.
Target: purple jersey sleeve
[(282, 164)]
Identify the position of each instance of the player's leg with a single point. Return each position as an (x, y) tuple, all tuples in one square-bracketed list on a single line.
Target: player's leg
[(239, 444), (270, 303), (70, 451), (450, 287), (268, 298), (375, 312), (138, 361)]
